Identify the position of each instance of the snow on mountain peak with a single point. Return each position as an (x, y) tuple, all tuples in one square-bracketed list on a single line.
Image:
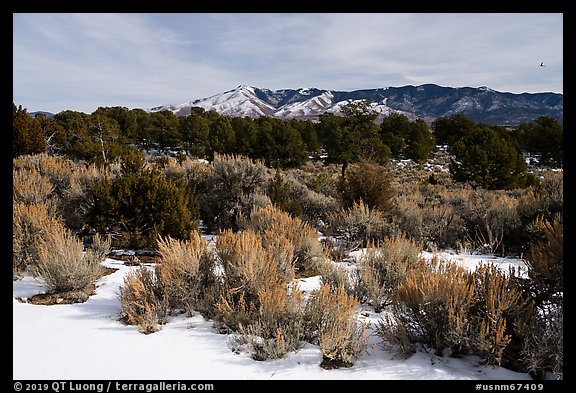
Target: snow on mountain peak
[(425, 101)]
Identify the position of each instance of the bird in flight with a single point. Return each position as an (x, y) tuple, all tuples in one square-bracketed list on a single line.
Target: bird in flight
[(542, 64)]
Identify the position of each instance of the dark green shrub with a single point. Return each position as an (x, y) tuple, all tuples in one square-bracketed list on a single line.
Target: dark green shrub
[(140, 203), (27, 134), (368, 182), (487, 159), (279, 193)]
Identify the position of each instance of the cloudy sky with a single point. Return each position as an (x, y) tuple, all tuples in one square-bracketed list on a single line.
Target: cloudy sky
[(83, 61)]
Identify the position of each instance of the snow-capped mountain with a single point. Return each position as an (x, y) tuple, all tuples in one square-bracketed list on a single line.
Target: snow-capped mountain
[(425, 101)]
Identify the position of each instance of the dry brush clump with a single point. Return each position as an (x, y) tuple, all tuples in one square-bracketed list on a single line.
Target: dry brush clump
[(355, 227), (550, 193), (308, 251), (491, 219), (460, 217), (430, 307), (63, 263), (333, 316), (545, 261), (248, 268), (542, 348), (143, 302), (448, 308), (278, 326), (182, 281), (185, 271), (56, 169), (256, 294), (29, 186), (316, 196), (501, 311), (338, 275), (61, 181), (384, 267), (425, 213), (232, 186), (31, 223)]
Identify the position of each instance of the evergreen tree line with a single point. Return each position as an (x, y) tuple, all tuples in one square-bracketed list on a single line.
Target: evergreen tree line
[(487, 156)]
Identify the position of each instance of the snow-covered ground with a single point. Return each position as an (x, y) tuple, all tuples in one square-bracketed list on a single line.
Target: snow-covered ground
[(86, 341)]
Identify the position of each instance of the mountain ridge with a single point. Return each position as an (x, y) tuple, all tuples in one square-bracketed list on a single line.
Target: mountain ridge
[(427, 101)]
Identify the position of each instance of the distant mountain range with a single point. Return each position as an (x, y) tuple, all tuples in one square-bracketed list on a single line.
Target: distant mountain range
[(428, 102), (48, 115)]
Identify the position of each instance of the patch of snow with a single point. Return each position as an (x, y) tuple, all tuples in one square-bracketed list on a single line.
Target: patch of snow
[(87, 341)]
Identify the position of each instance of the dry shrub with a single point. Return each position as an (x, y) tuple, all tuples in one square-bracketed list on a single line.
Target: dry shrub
[(282, 250), (543, 338), (384, 266), (256, 298), (39, 177), (545, 261), (356, 226), (317, 176), (431, 307), (543, 348), (340, 335), (189, 168), (315, 205), (183, 270), (75, 200), (492, 215), (227, 192), (441, 226), (59, 170), (30, 224), (550, 193), (410, 217), (279, 324), (29, 186), (494, 221), (425, 214), (64, 265), (308, 250), (196, 172), (448, 308), (336, 275), (143, 303), (248, 269), (491, 219), (499, 306)]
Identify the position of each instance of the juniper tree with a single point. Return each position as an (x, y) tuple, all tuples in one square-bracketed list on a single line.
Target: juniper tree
[(486, 159), (27, 135)]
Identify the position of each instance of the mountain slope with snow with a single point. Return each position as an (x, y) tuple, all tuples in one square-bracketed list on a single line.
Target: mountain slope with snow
[(427, 102)]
